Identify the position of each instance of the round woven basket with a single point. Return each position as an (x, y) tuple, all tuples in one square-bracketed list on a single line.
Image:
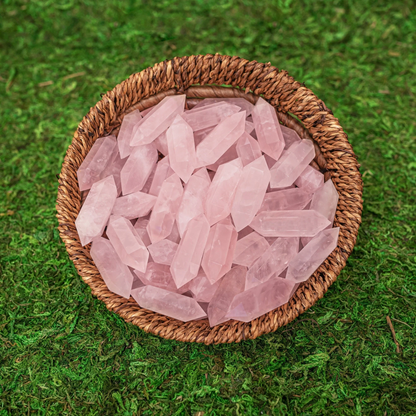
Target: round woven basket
[(201, 77)]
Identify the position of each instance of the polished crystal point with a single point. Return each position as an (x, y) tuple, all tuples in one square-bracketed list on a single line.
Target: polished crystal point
[(289, 223), (248, 149), (250, 192), (114, 168), (158, 120), (310, 180), (249, 127), (94, 214), (126, 129), (286, 199), (162, 172), (157, 275), (165, 209), (228, 156), (249, 248), (174, 235), (268, 131), (161, 143), (138, 168), (240, 102), (289, 136), (135, 205), (163, 251), (201, 288), (100, 155), (312, 255), (114, 272), (141, 227)]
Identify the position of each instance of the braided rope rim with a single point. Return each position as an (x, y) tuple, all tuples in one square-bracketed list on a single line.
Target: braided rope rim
[(336, 157)]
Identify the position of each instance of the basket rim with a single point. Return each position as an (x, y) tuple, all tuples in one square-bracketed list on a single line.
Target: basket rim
[(250, 79)]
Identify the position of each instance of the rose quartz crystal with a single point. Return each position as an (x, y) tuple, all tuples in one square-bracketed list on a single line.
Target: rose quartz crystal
[(221, 192), (95, 212), (268, 131), (249, 127), (157, 275), (248, 149), (287, 199), (250, 192), (181, 148), (312, 255), (162, 172), (141, 227), (161, 143), (290, 136), (135, 205), (115, 274), (249, 248), (228, 156), (138, 168), (240, 102), (185, 264), (158, 120), (166, 207), (100, 155), (219, 250), (201, 288), (231, 285), (310, 180), (168, 303), (114, 168), (174, 235), (126, 129), (163, 251)]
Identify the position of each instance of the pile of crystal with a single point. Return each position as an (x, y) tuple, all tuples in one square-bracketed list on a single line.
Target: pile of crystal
[(210, 212)]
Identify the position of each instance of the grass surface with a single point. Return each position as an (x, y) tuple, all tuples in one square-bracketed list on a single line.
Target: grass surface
[(62, 352)]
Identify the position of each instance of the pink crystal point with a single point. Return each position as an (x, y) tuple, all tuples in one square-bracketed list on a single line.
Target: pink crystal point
[(163, 251), (181, 148), (138, 168), (286, 199), (162, 172), (201, 134), (228, 156), (127, 243), (288, 168), (187, 260), (257, 301), (221, 139), (249, 127), (248, 149), (157, 275), (204, 117), (240, 102), (126, 129), (249, 248), (174, 235), (158, 120), (231, 285), (140, 226), (101, 153), (135, 205), (312, 255), (201, 288), (268, 131), (250, 192), (219, 250), (310, 180), (115, 274), (168, 303), (290, 136), (166, 207), (94, 214), (273, 261), (114, 168), (193, 200), (289, 223), (161, 143), (221, 192)]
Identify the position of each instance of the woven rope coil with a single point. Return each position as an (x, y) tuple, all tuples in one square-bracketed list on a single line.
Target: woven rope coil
[(249, 79)]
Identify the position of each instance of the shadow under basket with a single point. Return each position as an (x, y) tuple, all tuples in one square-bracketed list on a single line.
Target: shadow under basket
[(199, 77)]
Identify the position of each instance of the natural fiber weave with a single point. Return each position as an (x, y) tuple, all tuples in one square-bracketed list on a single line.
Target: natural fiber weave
[(335, 157)]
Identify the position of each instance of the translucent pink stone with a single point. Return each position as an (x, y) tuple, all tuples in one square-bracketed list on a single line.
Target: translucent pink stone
[(289, 223), (210, 115), (114, 168), (174, 235), (157, 275), (146, 111), (163, 251), (261, 299), (231, 285), (268, 131), (220, 139), (127, 243), (201, 134), (248, 149), (165, 209), (249, 248), (94, 214), (312, 255), (286, 199), (115, 274), (162, 172), (138, 168), (161, 143), (273, 261), (193, 200), (168, 303), (187, 260), (181, 148), (141, 227), (240, 102), (201, 288), (149, 181), (290, 136), (250, 192), (310, 180), (135, 205), (221, 192), (219, 250), (249, 127), (158, 120), (126, 129), (288, 168), (101, 153), (228, 156)]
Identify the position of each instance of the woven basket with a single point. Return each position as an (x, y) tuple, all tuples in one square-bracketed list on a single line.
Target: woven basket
[(198, 77)]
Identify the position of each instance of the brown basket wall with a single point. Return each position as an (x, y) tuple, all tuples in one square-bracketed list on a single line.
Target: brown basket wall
[(335, 157)]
